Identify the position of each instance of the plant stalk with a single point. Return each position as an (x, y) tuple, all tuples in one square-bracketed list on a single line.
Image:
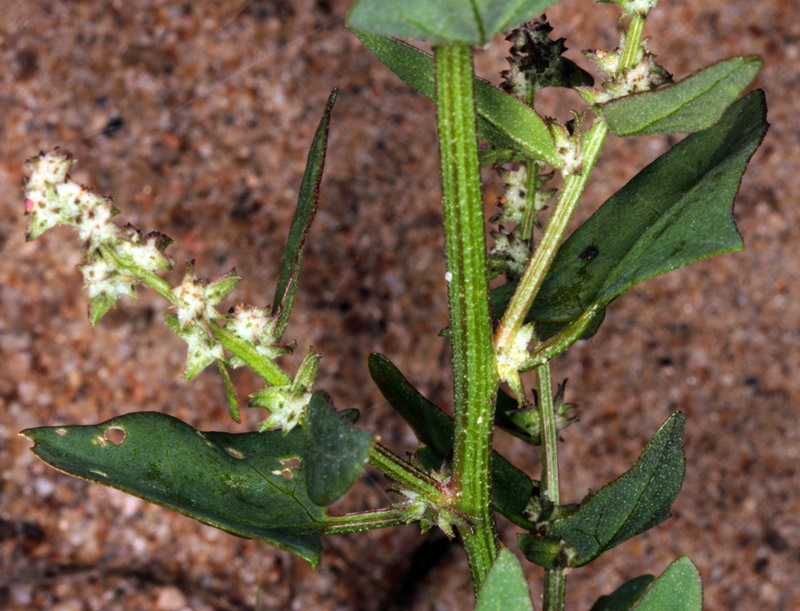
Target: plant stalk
[(474, 370), (554, 579), (361, 521), (557, 224), (404, 473)]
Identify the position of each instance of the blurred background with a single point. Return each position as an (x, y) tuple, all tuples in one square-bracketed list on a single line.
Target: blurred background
[(196, 116)]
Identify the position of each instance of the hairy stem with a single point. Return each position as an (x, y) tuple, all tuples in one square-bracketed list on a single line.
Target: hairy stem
[(554, 579), (361, 521), (474, 370), (532, 278), (404, 473)]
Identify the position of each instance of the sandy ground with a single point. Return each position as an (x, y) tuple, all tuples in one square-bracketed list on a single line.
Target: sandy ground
[(196, 116)]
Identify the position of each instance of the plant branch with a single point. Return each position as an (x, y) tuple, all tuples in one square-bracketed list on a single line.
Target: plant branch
[(362, 521), (404, 473), (557, 224), (474, 370)]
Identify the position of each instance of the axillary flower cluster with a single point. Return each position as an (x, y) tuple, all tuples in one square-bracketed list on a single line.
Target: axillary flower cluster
[(120, 257)]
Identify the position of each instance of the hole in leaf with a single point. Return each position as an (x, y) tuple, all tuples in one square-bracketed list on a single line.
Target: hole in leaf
[(235, 453), (115, 435), (101, 441), (61, 432), (287, 473), (290, 463)]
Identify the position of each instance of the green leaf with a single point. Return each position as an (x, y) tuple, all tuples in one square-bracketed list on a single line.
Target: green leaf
[(679, 588), (335, 451), (503, 120), (695, 103), (221, 287), (625, 596), (230, 392), (237, 483), (511, 488), (505, 588), (676, 211), (470, 21), (301, 222), (633, 503)]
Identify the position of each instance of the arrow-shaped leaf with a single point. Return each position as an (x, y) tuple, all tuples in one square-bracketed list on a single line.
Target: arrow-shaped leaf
[(674, 212), (511, 488), (679, 588), (503, 120), (504, 588), (471, 21), (301, 222), (335, 451), (240, 483), (695, 103), (633, 503)]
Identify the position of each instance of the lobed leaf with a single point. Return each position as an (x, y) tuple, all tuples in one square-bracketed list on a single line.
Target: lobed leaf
[(678, 588), (695, 103), (301, 222), (504, 588), (633, 503), (235, 482), (676, 211), (511, 488), (503, 120), (468, 21), (335, 451)]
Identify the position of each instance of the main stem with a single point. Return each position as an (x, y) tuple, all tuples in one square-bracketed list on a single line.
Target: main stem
[(474, 371)]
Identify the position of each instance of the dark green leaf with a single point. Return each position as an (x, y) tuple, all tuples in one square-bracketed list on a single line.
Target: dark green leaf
[(335, 452), (679, 588), (237, 483), (301, 223), (504, 588), (634, 502), (503, 120), (471, 21), (625, 596), (674, 212), (511, 488), (695, 103)]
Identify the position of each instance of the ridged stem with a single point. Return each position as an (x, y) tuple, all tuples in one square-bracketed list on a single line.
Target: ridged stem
[(474, 370)]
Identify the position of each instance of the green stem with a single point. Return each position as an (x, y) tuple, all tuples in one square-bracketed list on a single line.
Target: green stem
[(544, 389), (474, 370), (633, 39), (532, 184), (532, 278), (554, 579), (153, 280), (405, 474), (562, 340), (247, 352), (361, 521)]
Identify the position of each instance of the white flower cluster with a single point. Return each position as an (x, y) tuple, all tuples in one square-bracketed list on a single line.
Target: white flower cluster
[(511, 359), (52, 199), (287, 404), (117, 258), (645, 74)]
